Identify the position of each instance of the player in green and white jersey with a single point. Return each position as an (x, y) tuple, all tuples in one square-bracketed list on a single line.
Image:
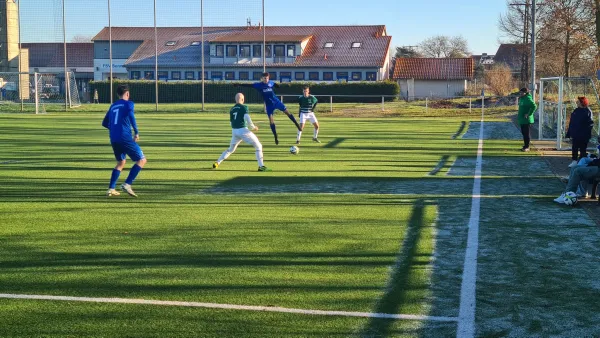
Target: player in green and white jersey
[(239, 117), (308, 103)]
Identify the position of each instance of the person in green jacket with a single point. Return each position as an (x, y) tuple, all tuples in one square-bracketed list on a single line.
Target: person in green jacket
[(525, 118)]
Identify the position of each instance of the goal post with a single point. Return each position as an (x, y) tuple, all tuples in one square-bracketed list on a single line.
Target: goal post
[(35, 92), (557, 99)]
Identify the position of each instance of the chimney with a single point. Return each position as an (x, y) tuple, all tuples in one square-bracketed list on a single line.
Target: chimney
[(325, 57), (259, 26)]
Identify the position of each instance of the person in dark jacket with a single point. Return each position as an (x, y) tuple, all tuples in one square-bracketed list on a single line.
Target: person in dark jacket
[(580, 129), (525, 117)]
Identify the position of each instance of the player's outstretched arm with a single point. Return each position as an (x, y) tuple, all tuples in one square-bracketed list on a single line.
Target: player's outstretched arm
[(248, 120)]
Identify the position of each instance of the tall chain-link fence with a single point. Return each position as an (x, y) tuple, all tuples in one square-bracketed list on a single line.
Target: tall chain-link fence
[(108, 40)]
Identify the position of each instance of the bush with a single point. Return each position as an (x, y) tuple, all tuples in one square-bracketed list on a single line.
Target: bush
[(499, 79), (223, 92)]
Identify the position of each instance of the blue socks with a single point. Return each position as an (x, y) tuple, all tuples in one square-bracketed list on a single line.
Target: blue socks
[(293, 118), (114, 178), (135, 170), (273, 129)]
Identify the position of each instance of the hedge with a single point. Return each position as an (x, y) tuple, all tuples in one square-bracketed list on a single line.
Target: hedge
[(223, 92)]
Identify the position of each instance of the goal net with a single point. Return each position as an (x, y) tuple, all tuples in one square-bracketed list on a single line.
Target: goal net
[(557, 100), (38, 92)]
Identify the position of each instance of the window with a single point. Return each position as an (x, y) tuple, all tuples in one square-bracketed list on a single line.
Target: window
[(313, 76), (135, 75), (356, 76), (356, 44), (291, 51), (280, 51), (343, 76), (300, 76), (148, 75), (327, 76), (200, 75), (273, 76), (217, 76), (256, 76), (269, 51), (285, 76), (371, 76), (229, 75), (244, 76), (328, 45), (176, 75), (189, 75), (196, 43), (232, 51), (244, 51), (163, 75), (220, 51), (171, 43), (256, 51)]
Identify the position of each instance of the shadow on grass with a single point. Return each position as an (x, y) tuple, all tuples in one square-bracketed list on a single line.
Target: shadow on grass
[(396, 294)]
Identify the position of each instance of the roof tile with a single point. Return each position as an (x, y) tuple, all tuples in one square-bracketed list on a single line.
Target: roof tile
[(434, 69), (373, 52)]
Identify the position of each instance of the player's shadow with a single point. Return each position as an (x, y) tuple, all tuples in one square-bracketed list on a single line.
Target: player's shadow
[(397, 291)]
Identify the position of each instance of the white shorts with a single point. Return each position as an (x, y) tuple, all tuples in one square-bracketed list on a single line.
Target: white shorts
[(244, 134), (308, 117)]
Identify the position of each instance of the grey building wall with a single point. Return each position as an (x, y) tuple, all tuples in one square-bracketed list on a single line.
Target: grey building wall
[(431, 88), (378, 73)]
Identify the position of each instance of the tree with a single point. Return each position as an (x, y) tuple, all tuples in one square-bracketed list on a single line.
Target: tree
[(499, 79), (566, 32), (445, 47), (408, 52), (597, 11)]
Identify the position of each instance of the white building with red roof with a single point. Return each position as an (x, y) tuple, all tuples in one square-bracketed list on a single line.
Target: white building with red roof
[(293, 53)]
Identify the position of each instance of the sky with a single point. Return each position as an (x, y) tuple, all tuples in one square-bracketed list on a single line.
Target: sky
[(408, 22)]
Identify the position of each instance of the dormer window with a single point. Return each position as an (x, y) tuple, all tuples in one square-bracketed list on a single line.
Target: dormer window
[(171, 43), (356, 44), (195, 43), (328, 45)]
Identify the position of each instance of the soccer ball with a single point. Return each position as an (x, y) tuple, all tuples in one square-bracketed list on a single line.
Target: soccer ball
[(570, 198), (294, 150)]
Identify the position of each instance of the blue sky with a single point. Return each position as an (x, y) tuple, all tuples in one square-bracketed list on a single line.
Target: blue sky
[(409, 22)]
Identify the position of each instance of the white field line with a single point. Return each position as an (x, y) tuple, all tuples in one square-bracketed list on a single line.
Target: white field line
[(466, 316), (231, 307)]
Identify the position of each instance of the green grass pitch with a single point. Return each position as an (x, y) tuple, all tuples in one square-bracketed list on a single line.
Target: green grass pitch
[(371, 220)]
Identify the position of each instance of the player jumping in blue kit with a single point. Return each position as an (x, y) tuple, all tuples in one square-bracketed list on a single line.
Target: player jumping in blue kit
[(119, 120), (265, 87)]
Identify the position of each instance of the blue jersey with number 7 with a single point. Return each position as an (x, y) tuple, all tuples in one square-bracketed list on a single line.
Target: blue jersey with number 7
[(119, 120)]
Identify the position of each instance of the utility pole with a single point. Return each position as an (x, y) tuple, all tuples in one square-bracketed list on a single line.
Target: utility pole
[(533, 46), (534, 6)]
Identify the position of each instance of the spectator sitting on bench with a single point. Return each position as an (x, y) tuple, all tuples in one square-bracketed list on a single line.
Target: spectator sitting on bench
[(581, 174)]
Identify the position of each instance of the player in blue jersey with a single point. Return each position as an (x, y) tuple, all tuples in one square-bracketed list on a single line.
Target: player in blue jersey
[(265, 87), (119, 120)]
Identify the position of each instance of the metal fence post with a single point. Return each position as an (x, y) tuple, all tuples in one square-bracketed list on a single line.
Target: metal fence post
[(382, 103), (470, 105), (426, 104), (331, 103)]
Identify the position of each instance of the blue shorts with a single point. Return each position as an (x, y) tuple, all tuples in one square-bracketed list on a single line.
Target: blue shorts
[(128, 148), (274, 105)]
